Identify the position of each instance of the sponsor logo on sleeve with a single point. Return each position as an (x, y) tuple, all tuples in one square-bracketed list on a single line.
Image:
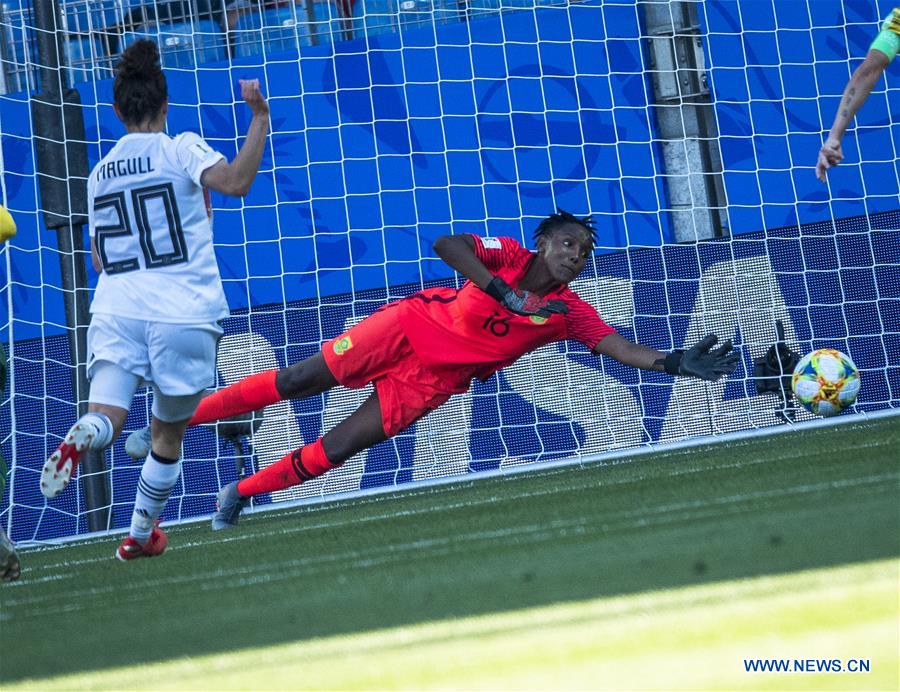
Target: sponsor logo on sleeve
[(201, 151), (342, 345), (491, 243)]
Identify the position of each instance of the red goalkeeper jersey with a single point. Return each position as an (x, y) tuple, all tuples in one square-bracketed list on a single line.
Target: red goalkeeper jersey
[(468, 331)]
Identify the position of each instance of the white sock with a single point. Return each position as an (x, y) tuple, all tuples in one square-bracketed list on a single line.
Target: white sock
[(103, 429), (154, 487)]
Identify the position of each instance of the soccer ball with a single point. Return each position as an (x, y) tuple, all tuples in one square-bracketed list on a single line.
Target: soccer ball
[(825, 382)]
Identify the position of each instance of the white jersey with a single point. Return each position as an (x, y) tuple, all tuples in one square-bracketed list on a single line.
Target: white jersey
[(149, 220)]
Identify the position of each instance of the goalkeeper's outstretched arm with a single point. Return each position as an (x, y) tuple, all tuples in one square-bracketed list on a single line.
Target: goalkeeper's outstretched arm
[(621, 349), (700, 360)]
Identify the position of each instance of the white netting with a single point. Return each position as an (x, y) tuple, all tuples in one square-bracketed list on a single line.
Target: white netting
[(689, 130)]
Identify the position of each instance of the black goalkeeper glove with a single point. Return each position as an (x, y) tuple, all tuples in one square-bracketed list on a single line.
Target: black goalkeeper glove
[(523, 302), (699, 361)]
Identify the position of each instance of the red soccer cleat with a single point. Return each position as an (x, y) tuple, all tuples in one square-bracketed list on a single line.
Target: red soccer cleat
[(130, 549), (60, 467)]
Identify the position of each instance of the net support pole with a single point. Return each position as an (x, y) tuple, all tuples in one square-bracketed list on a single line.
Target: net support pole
[(5, 58), (683, 111), (62, 171)]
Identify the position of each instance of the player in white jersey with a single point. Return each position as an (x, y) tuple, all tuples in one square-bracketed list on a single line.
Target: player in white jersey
[(159, 297)]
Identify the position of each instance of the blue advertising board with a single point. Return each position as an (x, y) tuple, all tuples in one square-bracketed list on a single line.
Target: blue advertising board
[(659, 297)]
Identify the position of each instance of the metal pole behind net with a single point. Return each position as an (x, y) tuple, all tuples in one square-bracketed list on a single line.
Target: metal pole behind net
[(62, 169)]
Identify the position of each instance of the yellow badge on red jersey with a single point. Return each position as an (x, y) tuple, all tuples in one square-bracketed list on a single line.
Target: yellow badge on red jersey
[(343, 344)]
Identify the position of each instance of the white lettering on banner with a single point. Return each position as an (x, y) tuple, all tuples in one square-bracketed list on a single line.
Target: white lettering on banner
[(339, 403), (246, 354), (734, 297), (241, 355), (442, 440), (612, 298), (603, 407)]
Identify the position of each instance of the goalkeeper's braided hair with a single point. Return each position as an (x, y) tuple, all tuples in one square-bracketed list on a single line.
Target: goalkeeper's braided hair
[(140, 88), (564, 218)]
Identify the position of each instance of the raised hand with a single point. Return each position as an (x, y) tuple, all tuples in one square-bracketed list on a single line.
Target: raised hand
[(830, 155), (253, 97), (523, 302), (702, 362)]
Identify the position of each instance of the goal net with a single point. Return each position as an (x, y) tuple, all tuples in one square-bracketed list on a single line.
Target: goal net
[(689, 130)]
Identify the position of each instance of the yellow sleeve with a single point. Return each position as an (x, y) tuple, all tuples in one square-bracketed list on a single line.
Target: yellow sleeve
[(888, 40)]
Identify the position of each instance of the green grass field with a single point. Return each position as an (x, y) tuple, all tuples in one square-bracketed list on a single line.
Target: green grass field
[(661, 573)]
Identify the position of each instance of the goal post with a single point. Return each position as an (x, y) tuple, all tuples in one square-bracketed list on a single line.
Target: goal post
[(61, 165), (395, 122)]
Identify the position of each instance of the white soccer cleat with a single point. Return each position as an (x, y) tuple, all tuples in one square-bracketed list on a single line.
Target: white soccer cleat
[(60, 467), (137, 445)]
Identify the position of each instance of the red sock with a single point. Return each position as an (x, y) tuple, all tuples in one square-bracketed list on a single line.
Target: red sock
[(293, 468), (250, 394)]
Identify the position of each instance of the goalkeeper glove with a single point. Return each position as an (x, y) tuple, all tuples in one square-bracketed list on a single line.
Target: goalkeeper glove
[(523, 302), (699, 361)]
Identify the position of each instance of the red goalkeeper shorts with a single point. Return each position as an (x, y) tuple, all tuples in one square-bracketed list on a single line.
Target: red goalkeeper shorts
[(376, 350)]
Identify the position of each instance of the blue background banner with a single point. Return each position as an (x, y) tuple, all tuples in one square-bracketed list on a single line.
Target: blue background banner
[(381, 144)]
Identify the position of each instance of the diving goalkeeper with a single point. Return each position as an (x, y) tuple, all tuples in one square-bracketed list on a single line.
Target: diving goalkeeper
[(421, 350)]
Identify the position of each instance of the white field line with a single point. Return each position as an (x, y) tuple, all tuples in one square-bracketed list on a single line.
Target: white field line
[(621, 456), (247, 575), (232, 536)]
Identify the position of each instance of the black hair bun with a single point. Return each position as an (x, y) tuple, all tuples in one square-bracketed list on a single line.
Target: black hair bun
[(140, 60)]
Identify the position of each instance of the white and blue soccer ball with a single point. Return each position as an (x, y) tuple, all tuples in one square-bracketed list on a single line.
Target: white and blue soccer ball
[(825, 382)]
